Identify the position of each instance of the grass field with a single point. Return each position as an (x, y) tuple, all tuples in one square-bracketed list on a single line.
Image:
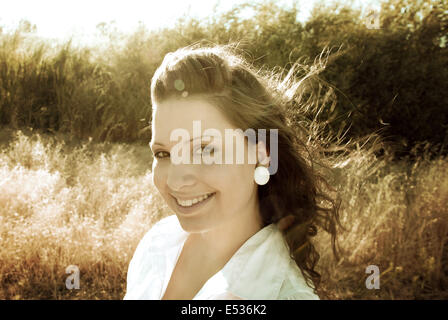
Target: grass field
[(64, 202)]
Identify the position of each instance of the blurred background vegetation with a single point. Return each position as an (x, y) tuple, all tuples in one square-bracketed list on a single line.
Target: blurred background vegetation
[(79, 191), (392, 80)]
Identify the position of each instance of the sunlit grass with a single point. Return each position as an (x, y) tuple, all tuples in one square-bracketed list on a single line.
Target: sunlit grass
[(396, 217), (89, 204)]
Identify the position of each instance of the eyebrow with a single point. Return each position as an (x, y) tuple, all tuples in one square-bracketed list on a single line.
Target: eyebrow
[(161, 144)]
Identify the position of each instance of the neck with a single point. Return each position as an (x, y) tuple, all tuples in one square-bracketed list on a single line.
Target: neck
[(219, 244)]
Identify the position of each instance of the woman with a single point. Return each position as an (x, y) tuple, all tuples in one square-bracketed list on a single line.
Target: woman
[(240, 230)]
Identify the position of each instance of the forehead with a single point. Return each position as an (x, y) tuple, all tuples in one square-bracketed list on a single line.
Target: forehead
[(180, 113)]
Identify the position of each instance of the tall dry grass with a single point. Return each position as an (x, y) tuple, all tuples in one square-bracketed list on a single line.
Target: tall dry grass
[(61, 205), (88, 204), (396, 217), (78, 90)]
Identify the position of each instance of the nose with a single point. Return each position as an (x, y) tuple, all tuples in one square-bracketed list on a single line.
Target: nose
[(180, 177)]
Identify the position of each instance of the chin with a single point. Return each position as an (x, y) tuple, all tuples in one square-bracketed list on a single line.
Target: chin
[(195, 224)]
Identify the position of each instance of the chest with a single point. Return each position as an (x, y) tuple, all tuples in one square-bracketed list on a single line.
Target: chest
[(183, 285), (189, 275)]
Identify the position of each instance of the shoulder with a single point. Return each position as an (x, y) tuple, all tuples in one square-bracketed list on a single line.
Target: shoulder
[(294, 286), (262, 269), (157, 236), (156, 240), (162, 226), (151, 238), (150, 250)]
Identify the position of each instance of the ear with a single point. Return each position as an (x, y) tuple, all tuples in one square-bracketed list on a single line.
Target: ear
[(262, 153)]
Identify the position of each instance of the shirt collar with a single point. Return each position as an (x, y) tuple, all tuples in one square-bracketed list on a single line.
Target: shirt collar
[(256, 270)]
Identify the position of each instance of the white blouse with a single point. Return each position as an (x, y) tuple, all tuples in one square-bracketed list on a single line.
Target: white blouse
[(261, 269)]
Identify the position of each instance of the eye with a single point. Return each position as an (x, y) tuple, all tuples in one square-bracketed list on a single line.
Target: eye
[(160, 154)]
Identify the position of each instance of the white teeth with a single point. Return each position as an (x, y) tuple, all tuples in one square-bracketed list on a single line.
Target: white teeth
[(189, 203)]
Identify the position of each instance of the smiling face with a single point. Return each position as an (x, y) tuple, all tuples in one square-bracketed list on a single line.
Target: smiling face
[(203, 196)]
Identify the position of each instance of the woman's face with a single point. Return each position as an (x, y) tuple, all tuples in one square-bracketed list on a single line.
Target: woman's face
[(230, 187)]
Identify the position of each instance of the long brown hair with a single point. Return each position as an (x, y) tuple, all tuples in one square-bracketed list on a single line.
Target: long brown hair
[(297, 197)]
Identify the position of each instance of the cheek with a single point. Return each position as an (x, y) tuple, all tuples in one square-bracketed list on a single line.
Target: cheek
[(247, 180), (235, 181), (158, 177)]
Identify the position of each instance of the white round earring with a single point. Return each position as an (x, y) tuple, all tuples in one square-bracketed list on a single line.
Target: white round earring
[(261, 175)]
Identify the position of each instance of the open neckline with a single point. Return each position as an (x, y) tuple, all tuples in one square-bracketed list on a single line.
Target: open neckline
[(237, 252), (170, 272), (176, 260)]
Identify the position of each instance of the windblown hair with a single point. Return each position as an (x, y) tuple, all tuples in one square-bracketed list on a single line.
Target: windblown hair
[(297, 197)]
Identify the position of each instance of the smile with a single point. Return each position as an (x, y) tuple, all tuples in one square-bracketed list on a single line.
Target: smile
[(191, 207), (191, 202)]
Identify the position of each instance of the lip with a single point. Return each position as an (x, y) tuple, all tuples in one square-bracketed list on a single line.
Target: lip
[(194, 208)]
